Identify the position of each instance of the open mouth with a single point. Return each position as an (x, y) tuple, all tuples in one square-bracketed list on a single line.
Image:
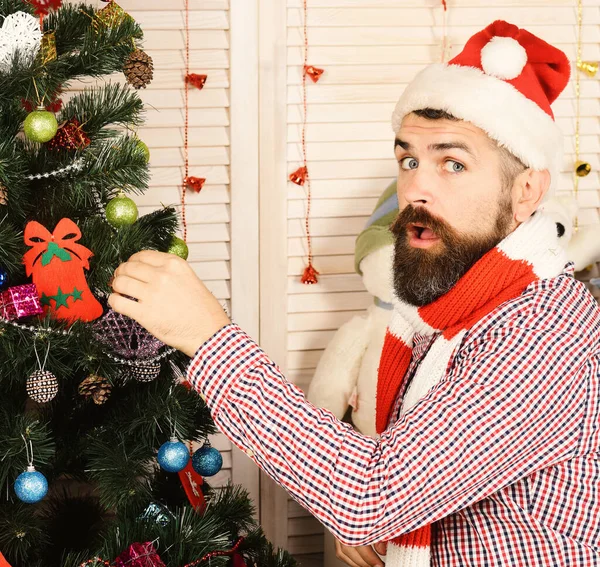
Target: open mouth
[(420, 235)]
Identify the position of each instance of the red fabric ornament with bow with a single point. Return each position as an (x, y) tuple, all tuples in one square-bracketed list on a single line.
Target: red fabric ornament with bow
[(57, 264), (3, 562)]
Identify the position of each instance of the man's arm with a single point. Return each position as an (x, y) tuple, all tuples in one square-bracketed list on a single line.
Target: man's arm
[(512, 405)]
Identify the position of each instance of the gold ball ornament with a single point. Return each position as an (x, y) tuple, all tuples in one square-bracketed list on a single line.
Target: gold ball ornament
[(40, 126), (179, 248), (144, 150), (121, 211)]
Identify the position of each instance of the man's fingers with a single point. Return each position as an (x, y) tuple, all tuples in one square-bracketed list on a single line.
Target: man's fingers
[(152, 257), (342, 556), (125, 306), (381, 547), (369, 556), (137, 270), (128, 286)]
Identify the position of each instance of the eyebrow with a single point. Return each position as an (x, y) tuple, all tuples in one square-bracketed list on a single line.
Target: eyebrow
[(439, 147)]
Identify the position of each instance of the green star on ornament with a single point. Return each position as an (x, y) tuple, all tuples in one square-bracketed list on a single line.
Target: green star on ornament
[(60, 298), (76, 294), (45, 300)]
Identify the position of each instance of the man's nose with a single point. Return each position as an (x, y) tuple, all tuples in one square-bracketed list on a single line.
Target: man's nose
[(416, 187)]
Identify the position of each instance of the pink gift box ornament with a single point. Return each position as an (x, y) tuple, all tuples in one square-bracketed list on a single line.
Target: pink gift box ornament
[(20, 301)]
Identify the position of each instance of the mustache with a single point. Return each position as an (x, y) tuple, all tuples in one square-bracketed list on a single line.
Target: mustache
[(421, 216)]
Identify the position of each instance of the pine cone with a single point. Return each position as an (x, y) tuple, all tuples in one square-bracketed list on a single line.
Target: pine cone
[(97, 387), (138, 69)]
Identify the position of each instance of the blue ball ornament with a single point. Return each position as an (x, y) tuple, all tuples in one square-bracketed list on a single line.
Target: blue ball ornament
[(207, 461), (173, 456), (31, 486), (3, 277)]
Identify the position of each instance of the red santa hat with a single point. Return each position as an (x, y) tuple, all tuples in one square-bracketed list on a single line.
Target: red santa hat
[(504, 82)]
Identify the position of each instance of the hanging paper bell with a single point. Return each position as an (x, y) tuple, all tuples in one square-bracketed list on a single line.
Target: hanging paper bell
[(582, 168), (194, 183), (195, 80), (313, 72), (299, 176), (590, 68)]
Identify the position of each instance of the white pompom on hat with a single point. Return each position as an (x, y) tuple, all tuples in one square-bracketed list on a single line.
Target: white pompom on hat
[(503, 81)]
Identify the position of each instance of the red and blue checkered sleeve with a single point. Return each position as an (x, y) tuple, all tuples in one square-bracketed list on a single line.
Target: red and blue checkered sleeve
[(513, 404)]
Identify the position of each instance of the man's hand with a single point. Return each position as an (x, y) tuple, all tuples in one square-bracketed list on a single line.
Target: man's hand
[(362, 556), (172, 303)]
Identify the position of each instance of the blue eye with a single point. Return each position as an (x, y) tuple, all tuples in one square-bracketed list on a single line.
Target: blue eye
[(409, 163), (452, 166)]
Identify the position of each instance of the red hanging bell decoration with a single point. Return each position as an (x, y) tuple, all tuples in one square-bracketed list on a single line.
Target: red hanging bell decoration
[(194, 183), (310, 274), (313, 72), (70, 136), (196, 80), (299, 176)]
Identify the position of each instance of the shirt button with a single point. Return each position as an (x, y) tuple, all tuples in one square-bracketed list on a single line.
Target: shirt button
[(250, 452)]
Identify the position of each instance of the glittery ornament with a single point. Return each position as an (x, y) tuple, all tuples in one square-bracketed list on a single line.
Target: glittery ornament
[(144, 149), (590, 68), (42, 386), (20, 301), (121, 211), (173, 456), (313, 72), (31, 486), (310, 275), (179, 248), (158, 514), (40, 125), (70, 136), (582, 168), (145, 372), (3, 277), (96, 387), (43, 7), (48, 48), (207, 461), (139, 555), (3, 195), (195, 80), (110, 16), (299, 176), (139, 69), (194, 183)]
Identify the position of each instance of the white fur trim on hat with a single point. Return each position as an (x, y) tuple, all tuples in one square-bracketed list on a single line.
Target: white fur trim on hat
[(504, 58), (491, 104)]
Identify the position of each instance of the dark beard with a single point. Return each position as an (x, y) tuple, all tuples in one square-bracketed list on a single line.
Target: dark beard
[(423, 275)]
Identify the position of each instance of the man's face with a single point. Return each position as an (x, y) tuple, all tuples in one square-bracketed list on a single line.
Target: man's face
[(453, 205)]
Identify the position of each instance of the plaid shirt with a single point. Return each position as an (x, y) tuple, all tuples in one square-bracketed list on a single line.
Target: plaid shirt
[(502, 456)]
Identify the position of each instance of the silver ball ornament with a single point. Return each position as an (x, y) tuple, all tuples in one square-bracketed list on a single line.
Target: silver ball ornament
[(40, 126), (121, 211)]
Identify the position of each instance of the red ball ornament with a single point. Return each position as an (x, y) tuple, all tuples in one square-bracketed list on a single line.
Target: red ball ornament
[(70, 136)]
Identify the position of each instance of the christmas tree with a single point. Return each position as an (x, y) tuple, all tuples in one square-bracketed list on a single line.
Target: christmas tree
[(96, 421)]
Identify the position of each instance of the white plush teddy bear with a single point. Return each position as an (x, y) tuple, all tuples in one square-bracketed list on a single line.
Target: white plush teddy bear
[(347, 372)]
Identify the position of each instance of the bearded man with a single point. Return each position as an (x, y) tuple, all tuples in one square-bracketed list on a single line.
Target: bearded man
[(488, 396)]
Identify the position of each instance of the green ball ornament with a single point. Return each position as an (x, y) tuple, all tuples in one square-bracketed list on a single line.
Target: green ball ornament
[(179, 248), (144, 149), (40, 126), (121, 211)]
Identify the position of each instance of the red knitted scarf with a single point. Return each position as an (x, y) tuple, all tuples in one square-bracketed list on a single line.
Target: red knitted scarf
[(529, 253)]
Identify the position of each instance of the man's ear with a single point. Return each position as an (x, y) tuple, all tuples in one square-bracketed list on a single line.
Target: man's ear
[(528, 192)]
